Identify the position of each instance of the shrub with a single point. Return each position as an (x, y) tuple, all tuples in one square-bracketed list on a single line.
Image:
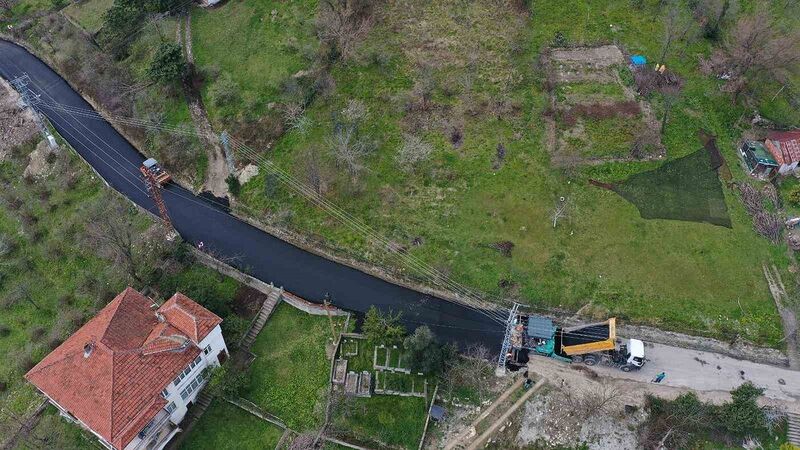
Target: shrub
[(383, 328), (234, 186), (794, 196), (413, 152), (168, 64), (224, 91), (234, 327)]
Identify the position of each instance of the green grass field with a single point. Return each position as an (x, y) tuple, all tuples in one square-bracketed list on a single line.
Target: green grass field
[(289, 376), (462, 200), (689, 277), (258, 50), (391, 420), (89, 13), (225, 426)]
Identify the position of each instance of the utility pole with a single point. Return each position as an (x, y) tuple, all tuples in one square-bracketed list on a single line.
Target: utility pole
[(154, 189), (326, 300), (29, 99), (225, 138)]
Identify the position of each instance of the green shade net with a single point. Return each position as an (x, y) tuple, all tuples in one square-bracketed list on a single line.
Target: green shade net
[(686, 188)]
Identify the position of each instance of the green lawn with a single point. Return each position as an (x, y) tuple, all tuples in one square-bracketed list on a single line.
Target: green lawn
[(384, 419), (289, 376), (89, 13), (225, 426), (257, 49)]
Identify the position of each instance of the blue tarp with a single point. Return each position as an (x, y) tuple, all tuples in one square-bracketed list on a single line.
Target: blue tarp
[(638, 60)]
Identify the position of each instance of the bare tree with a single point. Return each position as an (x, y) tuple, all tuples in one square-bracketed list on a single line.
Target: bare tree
[(756, 47), (588, 403), (413, 152), (315, 174), (343, 24), (560, 210), (112, 228), (711, 14), (6, 5), (470, 370), (676, 28), (348, 146)]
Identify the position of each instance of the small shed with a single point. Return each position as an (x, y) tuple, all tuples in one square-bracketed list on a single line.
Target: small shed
[(758, 160)]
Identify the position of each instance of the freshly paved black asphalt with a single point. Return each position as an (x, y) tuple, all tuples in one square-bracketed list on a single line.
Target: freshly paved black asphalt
[(198, 219)]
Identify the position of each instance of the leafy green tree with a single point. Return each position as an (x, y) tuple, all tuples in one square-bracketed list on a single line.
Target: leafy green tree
[(225, 381), (119, 22), (742, 416), (168, 64), (424, 353), (383, 328)]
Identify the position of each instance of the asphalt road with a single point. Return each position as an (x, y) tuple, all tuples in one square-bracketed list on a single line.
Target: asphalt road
[(197, 219)]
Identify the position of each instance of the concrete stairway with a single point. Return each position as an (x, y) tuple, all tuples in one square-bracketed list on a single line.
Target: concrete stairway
[(794, 429), (267, 307)]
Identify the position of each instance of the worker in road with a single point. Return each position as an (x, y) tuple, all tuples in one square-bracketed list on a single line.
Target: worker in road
[(660, 377)]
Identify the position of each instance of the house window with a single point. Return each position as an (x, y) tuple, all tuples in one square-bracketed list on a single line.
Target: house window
[(207, 350), (171, 407), (146, 429), (193, 386), (186, 371), (165, 393)]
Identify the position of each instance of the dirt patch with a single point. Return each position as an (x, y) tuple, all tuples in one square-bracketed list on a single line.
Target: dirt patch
[(247, 302), (217, 170), (17, 125), (601, 111), (600, 118), (585, 63), (247, 173), (545, 422), (40, 161)]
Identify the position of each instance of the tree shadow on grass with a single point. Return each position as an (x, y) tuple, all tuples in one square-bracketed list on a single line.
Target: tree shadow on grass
[(686, 188)]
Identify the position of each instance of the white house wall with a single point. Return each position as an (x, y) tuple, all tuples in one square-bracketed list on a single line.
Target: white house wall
[(215, 339)]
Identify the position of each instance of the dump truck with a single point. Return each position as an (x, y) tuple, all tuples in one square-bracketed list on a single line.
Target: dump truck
[(591, 344), (160, 175)]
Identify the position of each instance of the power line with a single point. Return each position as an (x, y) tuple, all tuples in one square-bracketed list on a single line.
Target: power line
[(309, 193)]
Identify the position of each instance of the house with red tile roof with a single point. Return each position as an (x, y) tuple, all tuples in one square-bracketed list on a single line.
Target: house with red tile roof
[(785, 148), (130, 373)]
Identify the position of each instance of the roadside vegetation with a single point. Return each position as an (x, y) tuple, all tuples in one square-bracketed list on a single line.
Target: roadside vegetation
[(58, 267), (441, 144)]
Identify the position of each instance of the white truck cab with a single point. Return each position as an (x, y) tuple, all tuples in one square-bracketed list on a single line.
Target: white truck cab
[(635, 353)]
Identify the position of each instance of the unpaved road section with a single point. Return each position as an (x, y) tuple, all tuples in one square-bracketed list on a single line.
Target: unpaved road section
[(710, 372)]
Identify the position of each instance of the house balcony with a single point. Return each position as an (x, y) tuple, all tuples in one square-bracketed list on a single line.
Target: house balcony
[(155, 434)]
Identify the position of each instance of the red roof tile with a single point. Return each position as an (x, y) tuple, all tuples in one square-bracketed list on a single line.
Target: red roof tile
[(784, 146), (189, 317), (109, 374)]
